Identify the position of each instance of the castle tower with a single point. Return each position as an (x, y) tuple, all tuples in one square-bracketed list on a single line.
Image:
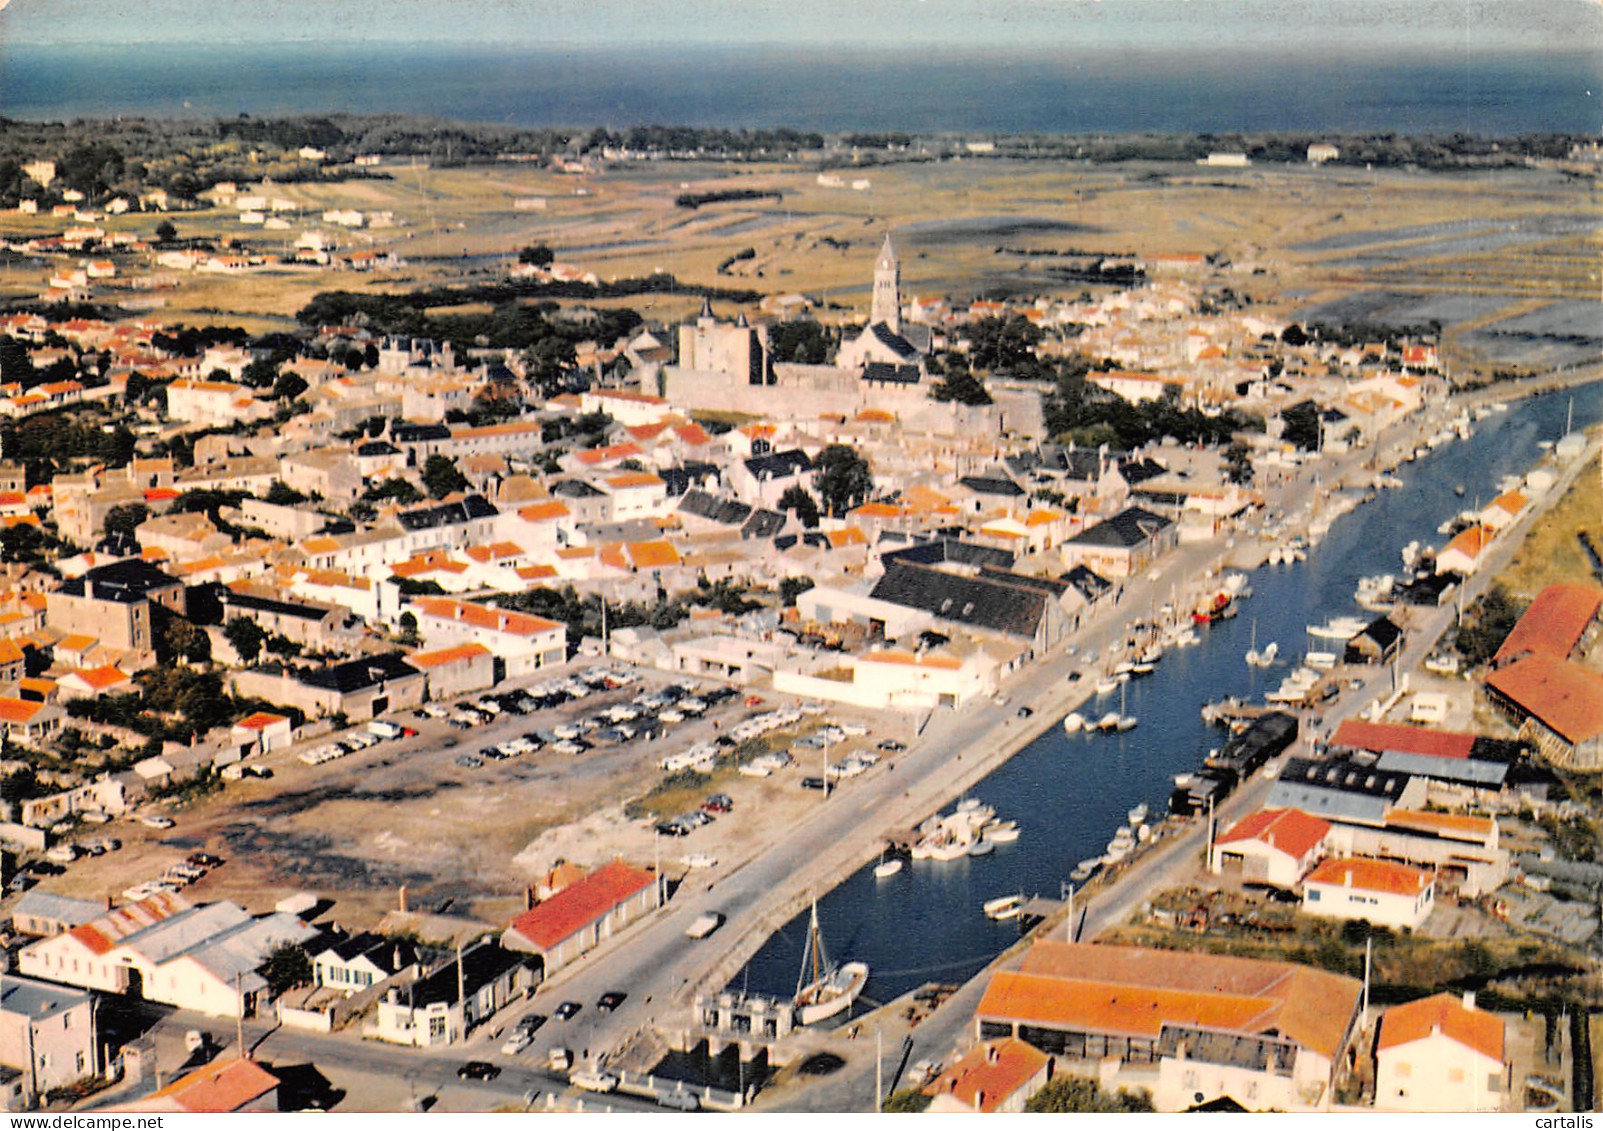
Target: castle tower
[(887, 307)]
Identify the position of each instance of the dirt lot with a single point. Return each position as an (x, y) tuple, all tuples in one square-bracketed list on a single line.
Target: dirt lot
[(403, 812)]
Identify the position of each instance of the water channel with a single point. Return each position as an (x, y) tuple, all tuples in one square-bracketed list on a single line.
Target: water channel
[(1070, 793)]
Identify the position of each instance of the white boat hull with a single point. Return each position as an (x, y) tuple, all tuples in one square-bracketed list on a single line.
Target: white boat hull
[(887, 869), (831, 996)]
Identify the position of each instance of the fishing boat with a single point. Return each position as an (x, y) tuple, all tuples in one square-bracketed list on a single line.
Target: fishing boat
[(823, 989), (981, 847), (948, 850), (1106, 686), (1141, 667), (1085, 869), (1003, 907), (1002, 832), (1138, 814), (1123, 722), (887, 868), (1341, 628), (1321, 661), (1074, 723), (1108, 722)]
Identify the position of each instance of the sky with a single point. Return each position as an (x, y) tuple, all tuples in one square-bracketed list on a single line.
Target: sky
[(1282, 25)]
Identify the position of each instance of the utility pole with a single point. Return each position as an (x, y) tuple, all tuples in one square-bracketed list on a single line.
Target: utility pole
[(879, 1070), (239, 1026)]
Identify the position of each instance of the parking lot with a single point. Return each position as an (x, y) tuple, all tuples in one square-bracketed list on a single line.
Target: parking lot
[(477, 797)]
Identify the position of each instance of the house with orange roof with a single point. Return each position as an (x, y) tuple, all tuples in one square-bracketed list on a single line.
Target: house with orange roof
[(456, 670), (450, 573), (225, 1085), (627, 408), (92, 683), (1464, 554), (1555, 703), (213, 404), (635, 494), (1137, 388), (29, 722), (263, 731), (580, 916), (1378, 891), (1276, 846), (1558, 622), (1502, 511), (523, 643), (1443, 1054), (1189, 1026), (993, 1076)]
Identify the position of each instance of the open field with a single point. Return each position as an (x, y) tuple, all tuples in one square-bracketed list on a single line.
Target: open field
[(1514, 252), (1552, 551)]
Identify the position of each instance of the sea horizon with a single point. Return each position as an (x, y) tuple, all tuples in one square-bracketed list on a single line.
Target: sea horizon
[(996, 91)]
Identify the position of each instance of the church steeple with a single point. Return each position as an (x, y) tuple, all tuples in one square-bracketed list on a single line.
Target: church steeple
[(887, 305)]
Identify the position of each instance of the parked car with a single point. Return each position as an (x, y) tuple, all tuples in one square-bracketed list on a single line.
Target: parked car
[(891, 746), (477, 1070), (718, 803), (156, 821), (516, 1043), (567, 1010), (610, 1000)]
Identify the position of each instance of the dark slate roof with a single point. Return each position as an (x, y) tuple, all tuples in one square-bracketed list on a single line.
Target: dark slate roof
[(679, 479), (1023, 463), (779, 465), (975, 602), (1140, 470), (447, 514), (1041, 584), (380, 951), (893, 341), (125, 581), (992, 485), (1383, 632), (498, 372), (938, 550), (725, 512), (576, 489), (763, 524), (359, 674), (480, 966), (1129, 528), (378, 448), (892, 374), (1078, 463), (1160, 498), (1345, 777), (1088, 583), (257, 603), (418, 433)]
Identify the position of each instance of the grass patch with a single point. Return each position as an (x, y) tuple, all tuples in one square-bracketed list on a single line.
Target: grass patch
[(1552, 550)]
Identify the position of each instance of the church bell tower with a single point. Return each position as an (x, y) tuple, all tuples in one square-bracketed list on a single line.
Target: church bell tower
[(887, 307)]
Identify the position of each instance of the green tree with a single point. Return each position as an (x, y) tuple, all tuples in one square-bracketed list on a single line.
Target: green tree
[(441, 477), (165, 232), (245, 637), (21, 543), (802, 342), (908, 1101), (843, 479), (1486, 625), (400, 490), (960, 384), (537, 254), (792, 587), (288, 386), (122, 521), (1001, 343), (1302, 426), (283, 495), (1238, 463), (797, 498), (287, 966), (1083, 1094), (178, 639)]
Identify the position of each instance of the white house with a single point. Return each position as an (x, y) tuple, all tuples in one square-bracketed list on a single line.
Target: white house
[(1441, 1054), (1381, 891), (523, 642), (1277, 846), (47, 1033)]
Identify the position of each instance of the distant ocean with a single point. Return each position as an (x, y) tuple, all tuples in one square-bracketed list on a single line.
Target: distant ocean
[(1201, 91)]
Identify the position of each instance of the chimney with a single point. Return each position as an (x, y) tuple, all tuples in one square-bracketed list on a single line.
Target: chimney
[(403, 905), (1469, 999)]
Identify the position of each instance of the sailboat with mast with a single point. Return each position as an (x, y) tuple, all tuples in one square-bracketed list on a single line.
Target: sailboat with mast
[(824, 989), (1257, 659)]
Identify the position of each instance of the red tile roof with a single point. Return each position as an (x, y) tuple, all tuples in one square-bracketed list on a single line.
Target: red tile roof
[(990, 1072), (442, 656), (578, 905), (1383, 737), (1444, 1013), (1290, 830), (221, 1086), (1362, 874), (1565, 697), (1554, 623)]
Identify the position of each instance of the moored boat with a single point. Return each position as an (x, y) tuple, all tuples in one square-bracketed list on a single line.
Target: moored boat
[(1073, 723), (1003, 906), (830, 990)]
